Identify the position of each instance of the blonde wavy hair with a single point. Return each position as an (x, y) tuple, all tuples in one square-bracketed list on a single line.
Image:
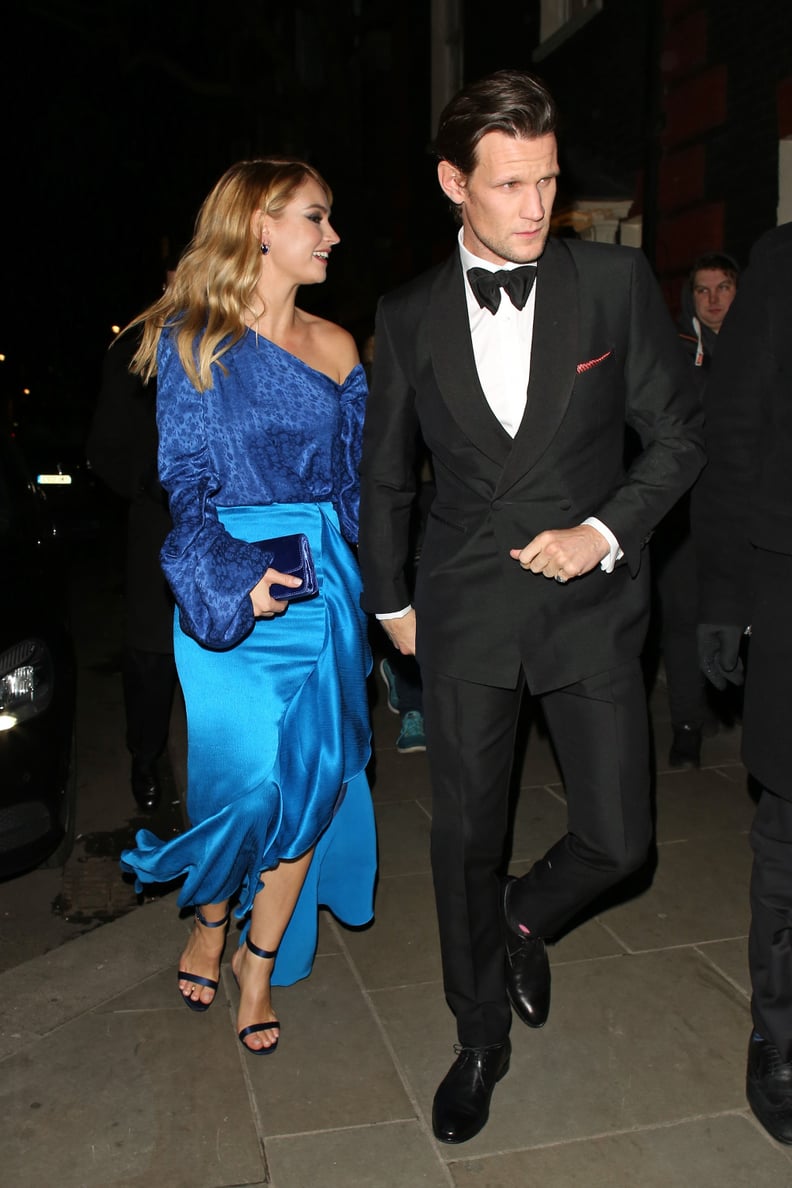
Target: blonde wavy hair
[(214, 283)]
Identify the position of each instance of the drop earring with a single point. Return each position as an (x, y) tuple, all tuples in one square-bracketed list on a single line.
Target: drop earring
[(264, 249)]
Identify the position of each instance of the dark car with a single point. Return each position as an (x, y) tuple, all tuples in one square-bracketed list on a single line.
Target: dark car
[(37, 678)]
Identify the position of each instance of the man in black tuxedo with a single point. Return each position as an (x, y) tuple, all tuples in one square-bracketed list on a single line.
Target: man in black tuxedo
[(522, 397), (742, 529)]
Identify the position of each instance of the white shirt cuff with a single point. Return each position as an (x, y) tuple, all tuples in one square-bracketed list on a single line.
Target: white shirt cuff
[(615, 552), (401, 614)]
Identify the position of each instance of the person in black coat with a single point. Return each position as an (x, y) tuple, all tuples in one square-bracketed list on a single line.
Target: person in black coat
[(706, 299), (122, 450), (742, 527), (531, 570)]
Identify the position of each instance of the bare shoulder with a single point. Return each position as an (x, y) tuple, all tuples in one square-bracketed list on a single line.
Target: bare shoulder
[(331, 348), (337, 340)]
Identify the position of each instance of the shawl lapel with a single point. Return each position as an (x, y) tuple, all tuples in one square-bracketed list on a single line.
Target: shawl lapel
[(553, 360), (455, 365)]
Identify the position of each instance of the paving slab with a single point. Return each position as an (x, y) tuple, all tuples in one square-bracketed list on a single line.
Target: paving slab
[(731, 959), (403, 838), (721, 1152), (398, 777), (62, 985), (396, 1155), (406, 915), (540, 819), (631, 1041), (333, 1067), (700, 803), (129, 1098), (699, 893)]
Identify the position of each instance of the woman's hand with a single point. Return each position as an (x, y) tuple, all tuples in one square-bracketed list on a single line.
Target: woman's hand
[(264, 606)]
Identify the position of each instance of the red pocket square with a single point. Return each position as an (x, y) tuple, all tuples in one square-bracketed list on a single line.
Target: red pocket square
[(587, 366)]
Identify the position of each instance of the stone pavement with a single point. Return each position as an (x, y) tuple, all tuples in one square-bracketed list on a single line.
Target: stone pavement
[(636, 1081)]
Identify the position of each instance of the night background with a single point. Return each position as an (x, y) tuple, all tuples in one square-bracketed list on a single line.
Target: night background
[(120, 117)]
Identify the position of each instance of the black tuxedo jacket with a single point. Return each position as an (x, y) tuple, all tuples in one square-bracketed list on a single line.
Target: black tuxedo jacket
[(605, 355)]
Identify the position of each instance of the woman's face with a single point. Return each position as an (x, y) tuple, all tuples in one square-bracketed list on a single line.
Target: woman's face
[(301, 238)]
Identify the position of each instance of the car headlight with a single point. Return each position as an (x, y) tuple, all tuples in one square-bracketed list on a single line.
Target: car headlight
[(25, 682)]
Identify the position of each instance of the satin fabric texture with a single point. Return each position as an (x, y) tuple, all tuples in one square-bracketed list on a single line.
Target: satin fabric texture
[(279, 740)]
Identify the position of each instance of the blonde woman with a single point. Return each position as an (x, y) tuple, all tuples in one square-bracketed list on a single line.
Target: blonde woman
[(260, 408)]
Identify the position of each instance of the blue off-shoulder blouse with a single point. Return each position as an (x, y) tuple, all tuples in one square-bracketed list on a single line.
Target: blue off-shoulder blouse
[(272, 429)]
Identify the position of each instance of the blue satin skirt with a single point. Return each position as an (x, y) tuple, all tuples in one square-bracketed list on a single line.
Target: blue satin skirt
[(278, 742)]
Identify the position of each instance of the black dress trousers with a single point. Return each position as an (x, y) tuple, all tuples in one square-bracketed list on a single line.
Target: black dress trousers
[(599, 730)]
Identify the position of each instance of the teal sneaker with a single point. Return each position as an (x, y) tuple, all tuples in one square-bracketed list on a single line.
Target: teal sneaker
[(412, 737), (386, 672)]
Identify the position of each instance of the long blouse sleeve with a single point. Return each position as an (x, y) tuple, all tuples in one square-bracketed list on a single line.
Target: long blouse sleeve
[(210, 572), (346, 497)]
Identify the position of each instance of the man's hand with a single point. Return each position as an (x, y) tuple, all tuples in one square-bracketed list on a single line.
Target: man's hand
[(563, 553), (719, 653), (401, 632)]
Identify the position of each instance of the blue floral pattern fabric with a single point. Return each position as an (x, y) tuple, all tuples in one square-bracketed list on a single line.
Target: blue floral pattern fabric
[(271, 430)]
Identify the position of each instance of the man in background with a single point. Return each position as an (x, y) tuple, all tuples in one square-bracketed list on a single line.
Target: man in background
[(742, 528), (122, 450), (706, 299), (705, 302)]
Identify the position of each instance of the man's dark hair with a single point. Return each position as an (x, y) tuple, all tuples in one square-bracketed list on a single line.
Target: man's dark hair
[(508, 101), (717, 261)]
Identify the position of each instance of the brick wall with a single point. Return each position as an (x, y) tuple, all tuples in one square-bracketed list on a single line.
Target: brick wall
[(726, 98), (598, 78), (679, 103)]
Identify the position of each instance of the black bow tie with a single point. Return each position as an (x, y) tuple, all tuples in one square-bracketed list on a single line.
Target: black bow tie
[(487, 285)]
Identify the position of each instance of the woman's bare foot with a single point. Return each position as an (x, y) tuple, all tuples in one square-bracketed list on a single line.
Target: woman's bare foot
[(253, 972), (199, 964)]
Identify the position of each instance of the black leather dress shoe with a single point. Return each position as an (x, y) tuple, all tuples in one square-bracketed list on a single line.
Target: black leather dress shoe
[(145, 786), (685, 746), (461, 1104), (527, 970), (769, 1088)]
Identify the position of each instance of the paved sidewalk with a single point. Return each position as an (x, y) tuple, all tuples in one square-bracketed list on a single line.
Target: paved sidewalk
[(636, 1082)]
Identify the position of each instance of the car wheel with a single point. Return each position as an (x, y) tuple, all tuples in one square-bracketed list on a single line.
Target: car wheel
[(68, 817)]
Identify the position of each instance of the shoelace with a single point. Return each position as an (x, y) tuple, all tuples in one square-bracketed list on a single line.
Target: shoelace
[(412, 724), (776, 1066)]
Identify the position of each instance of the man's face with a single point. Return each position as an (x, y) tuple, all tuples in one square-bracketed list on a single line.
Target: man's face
[(507, 200), (713, 293)]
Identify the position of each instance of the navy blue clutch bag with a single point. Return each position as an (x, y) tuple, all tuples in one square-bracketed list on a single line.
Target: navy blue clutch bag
[(292, 555)]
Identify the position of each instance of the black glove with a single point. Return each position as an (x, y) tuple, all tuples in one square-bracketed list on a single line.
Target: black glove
[(719, 653)]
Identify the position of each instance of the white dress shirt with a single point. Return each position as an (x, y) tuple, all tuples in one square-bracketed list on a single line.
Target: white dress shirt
[(501, 345)]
